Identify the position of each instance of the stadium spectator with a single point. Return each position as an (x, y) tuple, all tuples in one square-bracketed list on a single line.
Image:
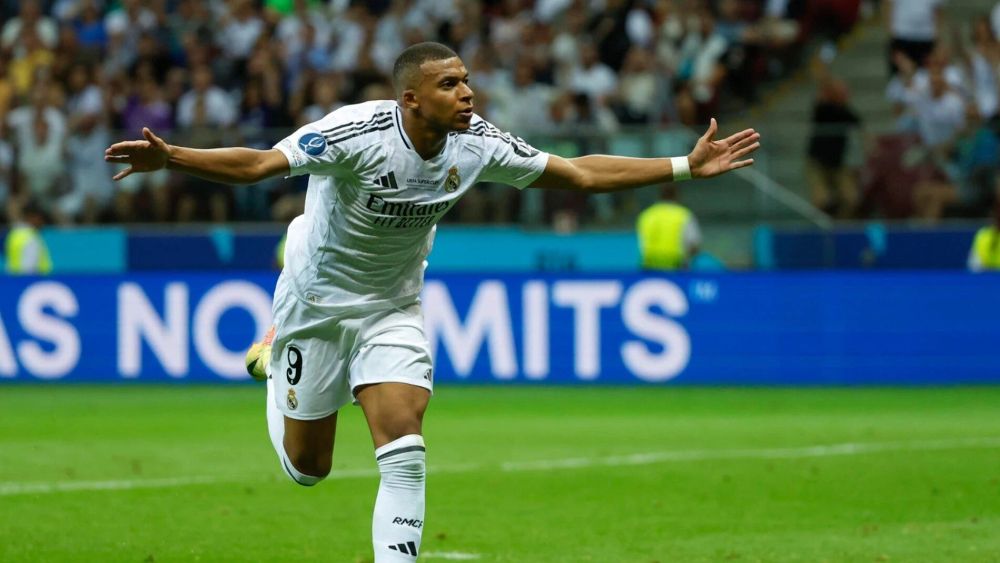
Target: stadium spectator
[(25, 249), (6, 173), (92, 191), (967, 174), (932, 100), (593, 77), (980, 64), (609, 32), (125, 24), (32, 62), (701, 69), (6, 88), (89, 27), (565, 48), (985, 252), (523, 105), (144, 196), (205, 105), (239, 29), (29, 21), (914, 27), (639, 97), (832, 183), (40, 132), (350, 33), (668, 233), (204, 116)]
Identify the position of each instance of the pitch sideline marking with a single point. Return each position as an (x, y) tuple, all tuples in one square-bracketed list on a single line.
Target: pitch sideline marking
[(831, 450), (454, 555)]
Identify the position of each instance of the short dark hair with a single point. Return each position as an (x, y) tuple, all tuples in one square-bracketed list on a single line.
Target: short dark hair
[(412, 57)]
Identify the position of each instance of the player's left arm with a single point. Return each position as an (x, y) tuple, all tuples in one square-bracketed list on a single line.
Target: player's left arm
[(603, 173)]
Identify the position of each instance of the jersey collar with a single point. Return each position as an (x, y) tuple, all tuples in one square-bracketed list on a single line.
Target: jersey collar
[(399, 127), (398, 116)]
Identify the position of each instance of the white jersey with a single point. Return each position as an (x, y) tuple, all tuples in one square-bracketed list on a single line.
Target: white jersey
[(373, 202)]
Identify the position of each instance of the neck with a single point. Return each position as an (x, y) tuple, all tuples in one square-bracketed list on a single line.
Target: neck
[(427, 141)]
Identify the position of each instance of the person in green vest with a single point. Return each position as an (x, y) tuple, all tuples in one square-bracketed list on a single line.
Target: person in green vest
[(668, 233), (26, 251), (985, 252)]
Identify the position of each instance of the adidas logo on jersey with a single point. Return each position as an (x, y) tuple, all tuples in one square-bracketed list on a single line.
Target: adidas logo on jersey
[(408, 548), (388, 181)]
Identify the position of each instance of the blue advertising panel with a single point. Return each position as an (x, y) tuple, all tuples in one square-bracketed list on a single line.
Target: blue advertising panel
[(744, 329)]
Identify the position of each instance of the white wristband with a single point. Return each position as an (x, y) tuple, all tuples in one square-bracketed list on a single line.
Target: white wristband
[(681, 167)]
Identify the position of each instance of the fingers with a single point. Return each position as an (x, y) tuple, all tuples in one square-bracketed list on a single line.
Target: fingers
[(125, 147), (744, 142), (713, 128), (743, 136), (745, 150), (740, 164), (122, 174), (153, 139)]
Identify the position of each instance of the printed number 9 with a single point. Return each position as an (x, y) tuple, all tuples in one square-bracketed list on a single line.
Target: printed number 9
[(294, 371)]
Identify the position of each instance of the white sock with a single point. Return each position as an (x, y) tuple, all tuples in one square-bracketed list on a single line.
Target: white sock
[(276, 428), (398, 521)]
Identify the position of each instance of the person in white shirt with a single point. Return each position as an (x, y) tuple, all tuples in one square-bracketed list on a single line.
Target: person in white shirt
[(348, 326), (205, 104), (914, 26)]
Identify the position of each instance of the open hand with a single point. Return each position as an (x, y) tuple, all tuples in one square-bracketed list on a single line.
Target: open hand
[(141, 156), (711, 158)]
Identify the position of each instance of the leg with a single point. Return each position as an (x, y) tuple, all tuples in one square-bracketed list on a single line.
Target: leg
[(395, 413), (847, 187), (304, 447), (393, 410), (817, 178)]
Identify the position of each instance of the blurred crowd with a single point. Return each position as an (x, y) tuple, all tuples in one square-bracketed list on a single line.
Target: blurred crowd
[(942, 156), (77, 75)]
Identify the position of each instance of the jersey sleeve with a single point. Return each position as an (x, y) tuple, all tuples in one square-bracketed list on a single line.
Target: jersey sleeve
[(509, 159), (315, 148)]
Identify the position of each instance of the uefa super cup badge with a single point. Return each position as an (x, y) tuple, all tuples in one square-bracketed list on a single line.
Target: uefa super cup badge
[(453, 180), (293, 401)]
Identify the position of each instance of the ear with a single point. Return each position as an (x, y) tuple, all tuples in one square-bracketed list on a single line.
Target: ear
[(410, 99)]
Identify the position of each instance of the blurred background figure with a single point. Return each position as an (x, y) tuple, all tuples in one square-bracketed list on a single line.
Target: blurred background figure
[(985, 252), (25, 250), (669, 236), (833, 184), (914, 27)]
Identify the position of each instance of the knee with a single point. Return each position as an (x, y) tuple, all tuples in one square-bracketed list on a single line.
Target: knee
[(307, 467), (312, 463)]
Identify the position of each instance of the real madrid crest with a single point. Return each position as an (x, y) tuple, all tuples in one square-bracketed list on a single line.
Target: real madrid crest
[(453, 180), (293, 402)]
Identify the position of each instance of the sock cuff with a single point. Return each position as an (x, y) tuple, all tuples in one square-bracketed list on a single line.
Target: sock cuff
[(408, 443), (298, 476)]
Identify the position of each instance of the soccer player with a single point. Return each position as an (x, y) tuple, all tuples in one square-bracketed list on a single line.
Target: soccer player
[(346, 307)]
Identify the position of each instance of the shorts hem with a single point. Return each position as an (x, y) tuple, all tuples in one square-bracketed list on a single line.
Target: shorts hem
[(306, 417), (422, 383)]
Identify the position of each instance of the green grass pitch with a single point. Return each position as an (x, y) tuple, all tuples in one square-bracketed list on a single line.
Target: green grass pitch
[(527, 474)]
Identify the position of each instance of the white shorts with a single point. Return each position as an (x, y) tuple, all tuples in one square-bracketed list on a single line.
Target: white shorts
[(318, 361)]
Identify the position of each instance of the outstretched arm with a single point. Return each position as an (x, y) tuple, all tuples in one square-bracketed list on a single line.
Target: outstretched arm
[(602, 173), (228, 166)]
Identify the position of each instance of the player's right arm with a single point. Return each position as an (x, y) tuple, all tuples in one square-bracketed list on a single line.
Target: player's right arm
[(234, 165)]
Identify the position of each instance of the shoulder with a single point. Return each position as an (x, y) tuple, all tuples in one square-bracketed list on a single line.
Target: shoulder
[(479, 125), (354, 123), (358, 114), (484, 134)]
